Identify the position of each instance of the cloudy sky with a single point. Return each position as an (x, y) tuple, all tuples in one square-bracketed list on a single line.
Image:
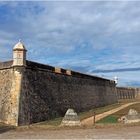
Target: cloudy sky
[(99, 38)]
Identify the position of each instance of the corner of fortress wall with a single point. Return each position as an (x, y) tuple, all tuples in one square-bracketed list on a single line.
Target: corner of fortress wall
[(31, 92), (15, 94), (10, 87), (27, 97), (47, 94)]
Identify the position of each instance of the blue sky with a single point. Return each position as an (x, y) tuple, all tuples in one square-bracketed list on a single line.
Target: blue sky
[(100, 38)]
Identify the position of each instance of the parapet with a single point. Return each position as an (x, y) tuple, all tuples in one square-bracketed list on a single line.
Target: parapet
[(7, 64), (68, 72), (34, 65), (57, 70), (44, 67)]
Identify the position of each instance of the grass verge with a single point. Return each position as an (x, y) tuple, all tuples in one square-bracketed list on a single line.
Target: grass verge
[(57, 121), (87, 114), (113, 118), (108, 119), (83, 115)]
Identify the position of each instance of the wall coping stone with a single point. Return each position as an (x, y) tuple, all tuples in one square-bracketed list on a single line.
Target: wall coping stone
[(43, 67), (35, 65), (6, 64)]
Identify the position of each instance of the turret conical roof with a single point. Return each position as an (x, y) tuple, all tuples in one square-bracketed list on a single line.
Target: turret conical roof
[(19, 46)]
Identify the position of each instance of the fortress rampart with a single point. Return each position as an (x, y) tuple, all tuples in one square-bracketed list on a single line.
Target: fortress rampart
[(36, 92), (31, 92), (47, 94), (128, 93)]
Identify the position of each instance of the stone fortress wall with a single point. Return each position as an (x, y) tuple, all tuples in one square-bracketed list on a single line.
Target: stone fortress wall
[(128, 93), (46, 94), (38, 92), (31, 92), (10, 81), (6, 79)]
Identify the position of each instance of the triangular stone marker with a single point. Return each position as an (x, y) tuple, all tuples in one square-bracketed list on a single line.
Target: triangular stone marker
[(71, 119), (132, 117)]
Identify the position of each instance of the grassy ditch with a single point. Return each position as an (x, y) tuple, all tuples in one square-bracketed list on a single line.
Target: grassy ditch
[(113, 118), (108, 119), (83, 115), (54, 122), (57, 121)]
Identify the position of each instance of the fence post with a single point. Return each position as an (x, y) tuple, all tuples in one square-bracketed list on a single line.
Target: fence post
[(94, 114)]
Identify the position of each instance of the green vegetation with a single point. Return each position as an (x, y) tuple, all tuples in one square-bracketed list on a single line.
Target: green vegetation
[(87, 114), (53, 122), (108, 119), (83, 115), (128, 100), (125, 110), (115, 116)]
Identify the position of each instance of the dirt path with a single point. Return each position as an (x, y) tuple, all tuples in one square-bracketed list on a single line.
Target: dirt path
[(89, 121), (93, 133)]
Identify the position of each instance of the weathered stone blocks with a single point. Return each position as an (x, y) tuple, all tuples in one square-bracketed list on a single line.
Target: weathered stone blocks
[(36, 93), (71, 118), (46, 94)]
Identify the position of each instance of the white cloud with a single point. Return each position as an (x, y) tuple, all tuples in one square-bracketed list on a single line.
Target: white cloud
[(90, 35)]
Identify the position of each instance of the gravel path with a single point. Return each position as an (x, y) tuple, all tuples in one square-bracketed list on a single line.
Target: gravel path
[(113, 132), (128, 132)]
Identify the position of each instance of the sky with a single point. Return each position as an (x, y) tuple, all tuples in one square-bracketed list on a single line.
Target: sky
[(100, 38)]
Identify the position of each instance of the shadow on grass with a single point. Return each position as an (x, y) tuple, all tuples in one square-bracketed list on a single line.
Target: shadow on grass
[(109, 119)]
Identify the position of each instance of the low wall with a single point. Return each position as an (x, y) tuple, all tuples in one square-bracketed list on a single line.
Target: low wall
[(46, 94), (137, 95), (128, 93)]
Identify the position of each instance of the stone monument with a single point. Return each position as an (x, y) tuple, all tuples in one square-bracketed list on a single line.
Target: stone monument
[(71, 119), (132, 117)]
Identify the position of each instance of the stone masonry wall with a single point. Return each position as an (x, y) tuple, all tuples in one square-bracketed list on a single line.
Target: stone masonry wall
[(128, 93), (6, 78), (46, 94), (137, 93), (10, 87), (36, 93)]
